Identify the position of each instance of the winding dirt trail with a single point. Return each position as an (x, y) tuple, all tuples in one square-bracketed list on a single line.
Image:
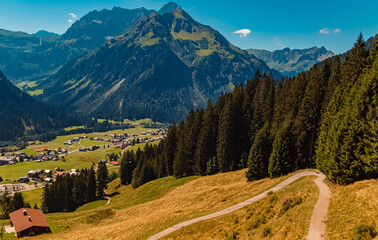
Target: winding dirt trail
[(318, 222), (318, 218)]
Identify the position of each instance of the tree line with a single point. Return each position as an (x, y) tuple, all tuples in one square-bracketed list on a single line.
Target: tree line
[(10, 203), (324, 118), (69, 192), (90, 125)]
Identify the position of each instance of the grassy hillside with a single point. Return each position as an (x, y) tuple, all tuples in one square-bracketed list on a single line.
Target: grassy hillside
[(157, 205), (264, 219), (350, 207), (142, 212)]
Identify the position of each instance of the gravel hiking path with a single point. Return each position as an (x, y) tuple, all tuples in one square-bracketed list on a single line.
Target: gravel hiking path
[(318, 218)]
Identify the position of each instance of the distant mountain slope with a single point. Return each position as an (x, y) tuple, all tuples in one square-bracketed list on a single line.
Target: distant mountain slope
[(165, 65), (26, 55), (44, 33), (37, 56), (169, 7), (92, 30), (292, 61), (20, 114)]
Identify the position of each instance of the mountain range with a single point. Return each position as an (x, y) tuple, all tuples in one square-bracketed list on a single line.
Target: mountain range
[(161, 68), (35, 57), (290, 62), (138, 63)]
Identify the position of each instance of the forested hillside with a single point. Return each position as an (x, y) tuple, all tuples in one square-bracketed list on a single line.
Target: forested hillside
[(22, 115), (324, 118)]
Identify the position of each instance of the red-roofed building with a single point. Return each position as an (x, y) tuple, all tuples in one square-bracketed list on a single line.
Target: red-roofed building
[(41, 176), (61, 173), (29, 222), (115, 163), (41, 149)]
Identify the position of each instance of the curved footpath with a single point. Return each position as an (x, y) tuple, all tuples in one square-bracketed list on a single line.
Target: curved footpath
[(318, 218)]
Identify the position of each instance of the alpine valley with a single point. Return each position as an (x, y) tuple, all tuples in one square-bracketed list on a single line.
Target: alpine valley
[(147, 124)]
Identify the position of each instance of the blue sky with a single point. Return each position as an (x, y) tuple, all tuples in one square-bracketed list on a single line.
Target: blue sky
[(274, 24)]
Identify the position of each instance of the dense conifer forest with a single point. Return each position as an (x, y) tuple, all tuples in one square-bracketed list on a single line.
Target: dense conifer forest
[(71, 191), (325, 118)]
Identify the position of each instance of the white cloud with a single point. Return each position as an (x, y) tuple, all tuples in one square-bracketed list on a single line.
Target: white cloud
[(73, 15), (70, 20), (337, 30), (243, 32), (324, 31), (97, 21), (277, 42)]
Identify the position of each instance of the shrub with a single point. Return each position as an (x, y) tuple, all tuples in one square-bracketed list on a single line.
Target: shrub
[(266, 231), (232, 236), (272, 198), (289, 203), (365, 232)]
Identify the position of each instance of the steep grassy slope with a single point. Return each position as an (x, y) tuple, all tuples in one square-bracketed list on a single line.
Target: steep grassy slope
[(272, 217), (350, 207), (139, 213)]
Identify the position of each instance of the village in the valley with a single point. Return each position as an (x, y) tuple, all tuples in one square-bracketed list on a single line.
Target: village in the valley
[(112, 144)]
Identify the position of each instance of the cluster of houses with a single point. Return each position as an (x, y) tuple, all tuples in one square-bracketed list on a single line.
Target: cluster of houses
[(10, 159), (161, 131), (114, 163), (75, 139), (93, 148), (14, 158), (124, 141), (45, 175)]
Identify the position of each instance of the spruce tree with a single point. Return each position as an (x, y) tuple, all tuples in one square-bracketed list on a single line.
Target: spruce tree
[(306, 126), (102, 179), (206, 147), (258, 159), (180, 162), (127, 167), (91, 186), (170, 145), (45, 199), (281, 161), (226, 143), (69, 204), (17, 201)]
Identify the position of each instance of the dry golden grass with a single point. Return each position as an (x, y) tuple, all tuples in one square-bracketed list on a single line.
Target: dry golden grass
[(198, 197), (351, 206), (251, 221)]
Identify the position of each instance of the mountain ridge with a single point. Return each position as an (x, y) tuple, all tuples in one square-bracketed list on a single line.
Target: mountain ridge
[(291, 62), (33, 58), (164, 60)]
